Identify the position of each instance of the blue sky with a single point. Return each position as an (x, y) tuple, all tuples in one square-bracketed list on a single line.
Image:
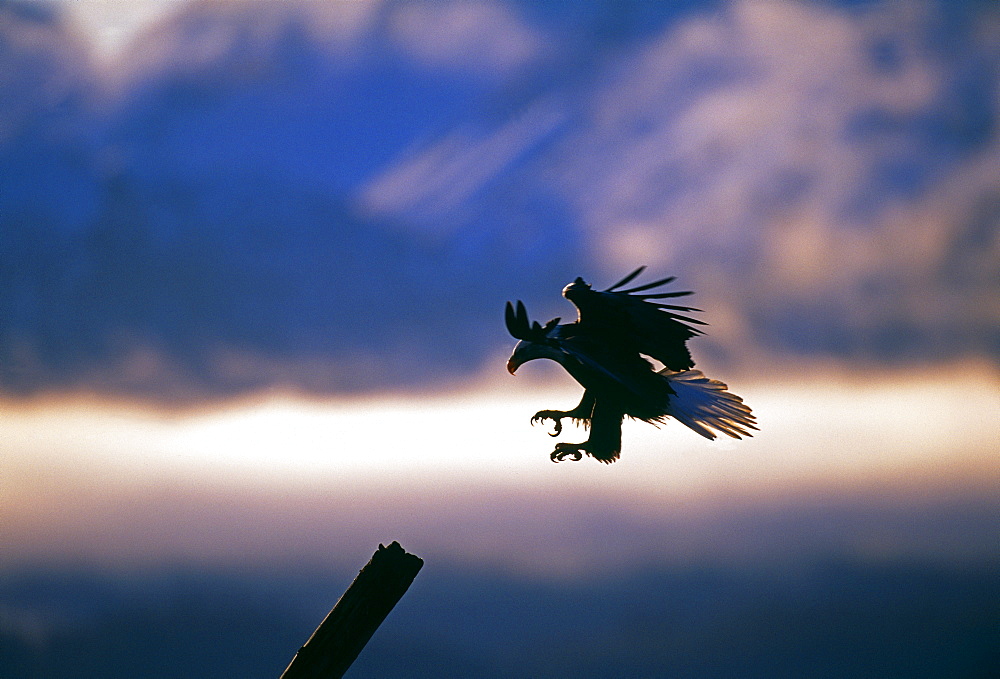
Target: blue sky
[(213, 192)]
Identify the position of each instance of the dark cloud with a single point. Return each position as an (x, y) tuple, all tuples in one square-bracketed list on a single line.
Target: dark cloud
[(888, 619), (261, 204), (814, 588), (199, 238)]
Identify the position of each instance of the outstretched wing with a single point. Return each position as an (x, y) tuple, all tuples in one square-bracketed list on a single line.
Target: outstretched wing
[(634, 320), (520, 328)]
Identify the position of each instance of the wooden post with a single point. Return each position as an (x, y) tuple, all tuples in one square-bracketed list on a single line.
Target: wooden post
[(339, 639)]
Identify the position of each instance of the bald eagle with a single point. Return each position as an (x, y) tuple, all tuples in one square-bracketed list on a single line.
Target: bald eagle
[(608, 351)]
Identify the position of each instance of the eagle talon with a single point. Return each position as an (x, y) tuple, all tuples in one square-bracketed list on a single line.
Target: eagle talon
[(564, 450), (554, 415)]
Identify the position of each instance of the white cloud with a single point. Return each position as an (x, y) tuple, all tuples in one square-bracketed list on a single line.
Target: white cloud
[(700, 135), (466, 34), (111, 25), (440, 179)]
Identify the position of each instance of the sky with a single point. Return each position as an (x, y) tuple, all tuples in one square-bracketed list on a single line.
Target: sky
[(254, 256), (105, 485), (111, 26), (207, 181)]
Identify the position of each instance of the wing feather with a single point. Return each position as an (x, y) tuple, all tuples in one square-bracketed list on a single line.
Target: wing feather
[(627, 279), (632, 323), (647, 286), (662, 295)]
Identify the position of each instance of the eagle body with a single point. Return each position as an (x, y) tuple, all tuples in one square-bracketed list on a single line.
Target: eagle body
[(608, 350), (624, 378)]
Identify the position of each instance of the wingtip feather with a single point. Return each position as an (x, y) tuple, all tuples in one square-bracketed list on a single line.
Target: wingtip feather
[(627, 278), (654, 284)]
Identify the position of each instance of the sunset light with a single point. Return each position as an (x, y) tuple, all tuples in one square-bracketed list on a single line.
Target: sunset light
[(67, 459)]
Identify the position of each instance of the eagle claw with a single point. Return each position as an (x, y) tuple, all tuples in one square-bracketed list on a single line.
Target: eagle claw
[(564, 450), (554, 415)]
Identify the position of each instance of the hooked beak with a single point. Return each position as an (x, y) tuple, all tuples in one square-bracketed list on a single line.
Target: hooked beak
[(512, 365)]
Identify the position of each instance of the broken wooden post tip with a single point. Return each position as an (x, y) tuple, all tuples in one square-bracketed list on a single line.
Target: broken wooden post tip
[(339, 639)]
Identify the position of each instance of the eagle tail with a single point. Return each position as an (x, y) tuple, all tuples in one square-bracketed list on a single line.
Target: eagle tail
[(703, 404)]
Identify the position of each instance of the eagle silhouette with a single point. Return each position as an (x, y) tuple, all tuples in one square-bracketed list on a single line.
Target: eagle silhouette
[(608, 351)]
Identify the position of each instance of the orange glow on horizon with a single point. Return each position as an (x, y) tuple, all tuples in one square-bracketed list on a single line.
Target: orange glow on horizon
[(81, 477)]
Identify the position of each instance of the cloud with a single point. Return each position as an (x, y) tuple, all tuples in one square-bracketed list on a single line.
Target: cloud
[(436, 183), (778, 144), (487, 38), (872, 608), (337, 199)]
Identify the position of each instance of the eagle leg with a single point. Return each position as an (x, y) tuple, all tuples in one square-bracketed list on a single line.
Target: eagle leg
[(605, 442), (564, 450), (581, 413)]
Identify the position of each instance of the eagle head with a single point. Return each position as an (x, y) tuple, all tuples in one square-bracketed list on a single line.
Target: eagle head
[(526, 350), (578, 285)]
